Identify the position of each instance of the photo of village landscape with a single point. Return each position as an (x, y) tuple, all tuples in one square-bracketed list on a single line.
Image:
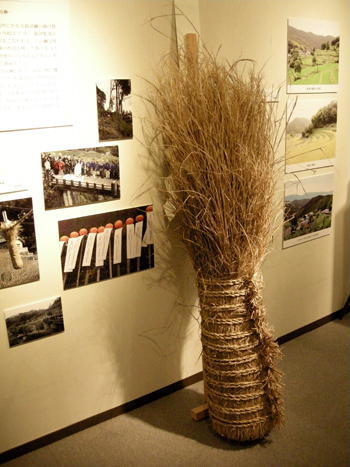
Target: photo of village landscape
[(311, 133), (114, 111), (80, 176), (307, 209), (34, 321), (313, 55), (18, 250)]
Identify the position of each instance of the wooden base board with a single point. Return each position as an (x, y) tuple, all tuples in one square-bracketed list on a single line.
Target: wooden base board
[(200, 412)]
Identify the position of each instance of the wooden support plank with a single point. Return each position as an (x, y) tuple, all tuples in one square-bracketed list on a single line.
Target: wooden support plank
[(200, 412)]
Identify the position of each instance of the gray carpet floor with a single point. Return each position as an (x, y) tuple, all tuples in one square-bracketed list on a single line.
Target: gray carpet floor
[(316, 432)]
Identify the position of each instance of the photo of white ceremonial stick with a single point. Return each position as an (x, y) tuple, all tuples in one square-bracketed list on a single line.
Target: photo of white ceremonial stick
[(138, 239), (10, 231), (148, 237), (99, 251), (82, 232), (109, 228), (69, 256), (90, 244), (63, 241), (130, 241), (117, 249), (63, 248)]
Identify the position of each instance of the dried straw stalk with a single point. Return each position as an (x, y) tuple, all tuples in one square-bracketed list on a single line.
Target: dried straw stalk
[(217, 135)]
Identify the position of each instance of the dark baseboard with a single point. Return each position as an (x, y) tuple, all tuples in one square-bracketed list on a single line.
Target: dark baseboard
[(108, 414), (310, 327)]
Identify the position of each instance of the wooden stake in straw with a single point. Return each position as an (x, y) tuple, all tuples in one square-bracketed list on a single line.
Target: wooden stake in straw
[(191, 50)]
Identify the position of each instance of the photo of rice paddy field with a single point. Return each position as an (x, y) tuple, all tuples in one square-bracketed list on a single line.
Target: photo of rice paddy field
[(313, 55), (311, 134)]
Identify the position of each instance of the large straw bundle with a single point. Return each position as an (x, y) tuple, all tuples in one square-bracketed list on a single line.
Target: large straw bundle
[(217, 134)]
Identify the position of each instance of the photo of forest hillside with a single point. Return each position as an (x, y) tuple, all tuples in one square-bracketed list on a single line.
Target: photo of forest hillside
[(114, 109), (311, 134), (313, 52), (34, 321), (307, 209)]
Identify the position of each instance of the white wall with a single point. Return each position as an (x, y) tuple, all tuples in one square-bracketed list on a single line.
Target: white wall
[(129, 336), (310, 280), (124, 337)]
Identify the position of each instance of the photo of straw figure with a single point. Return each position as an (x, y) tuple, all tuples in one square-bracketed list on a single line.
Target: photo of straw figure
[(114, 112), (307, 209), (313, 55), (311, 133), (103, 246), (80, 176), (18, 252), (34, 321)]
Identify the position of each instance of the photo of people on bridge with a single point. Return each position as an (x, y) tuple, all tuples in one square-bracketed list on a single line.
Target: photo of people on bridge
[(80, 176)]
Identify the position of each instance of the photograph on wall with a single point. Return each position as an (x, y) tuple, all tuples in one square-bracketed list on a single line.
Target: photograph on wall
[(313, 55), (18, 252), (311, 133), (114, 112), (307, 209), (80, 176), (34, 320), (103, 246)]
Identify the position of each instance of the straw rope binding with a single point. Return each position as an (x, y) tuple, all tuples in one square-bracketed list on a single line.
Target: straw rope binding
[(242, 384)]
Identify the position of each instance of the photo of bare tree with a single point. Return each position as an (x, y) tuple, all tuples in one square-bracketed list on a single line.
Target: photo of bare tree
[(114, 109)]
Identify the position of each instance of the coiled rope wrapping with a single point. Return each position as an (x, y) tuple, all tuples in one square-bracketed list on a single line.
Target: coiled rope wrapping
[(239, 355)]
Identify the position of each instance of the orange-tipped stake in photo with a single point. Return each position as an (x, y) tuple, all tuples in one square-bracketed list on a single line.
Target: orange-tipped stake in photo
[(117, 249), (138, 239)]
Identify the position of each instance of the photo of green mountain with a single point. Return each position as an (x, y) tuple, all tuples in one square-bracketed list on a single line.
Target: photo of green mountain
[(307, 209), (311, 133), (313, 55)]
